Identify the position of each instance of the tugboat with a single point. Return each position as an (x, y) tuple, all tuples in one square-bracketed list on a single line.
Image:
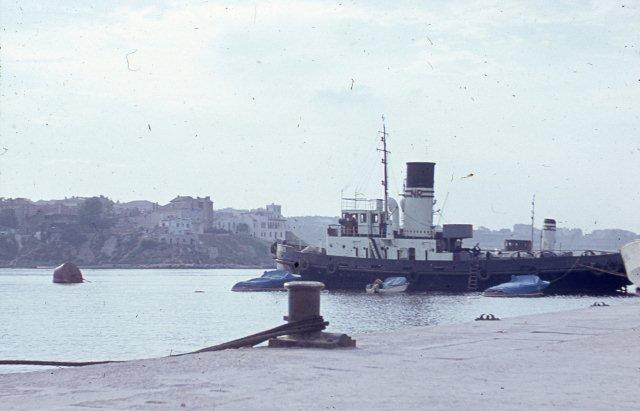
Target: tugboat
[(371, 242)]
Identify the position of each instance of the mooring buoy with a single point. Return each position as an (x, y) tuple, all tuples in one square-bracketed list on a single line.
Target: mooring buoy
[(67, 273)]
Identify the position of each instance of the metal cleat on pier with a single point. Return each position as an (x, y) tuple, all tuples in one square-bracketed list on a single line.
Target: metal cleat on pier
[(487, 317)]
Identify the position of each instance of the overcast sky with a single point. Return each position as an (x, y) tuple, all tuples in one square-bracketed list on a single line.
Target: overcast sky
[(259, 102)]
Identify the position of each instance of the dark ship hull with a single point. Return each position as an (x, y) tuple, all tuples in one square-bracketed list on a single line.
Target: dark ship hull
[(585, 274)]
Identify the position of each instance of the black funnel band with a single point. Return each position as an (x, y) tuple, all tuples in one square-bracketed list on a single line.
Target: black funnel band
[(420, 175)]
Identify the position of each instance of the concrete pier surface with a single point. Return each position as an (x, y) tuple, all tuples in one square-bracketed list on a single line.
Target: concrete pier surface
[(581, 359)]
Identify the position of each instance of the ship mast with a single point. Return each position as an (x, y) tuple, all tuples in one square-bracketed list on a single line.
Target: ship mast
[(533, 214), (385, 181)]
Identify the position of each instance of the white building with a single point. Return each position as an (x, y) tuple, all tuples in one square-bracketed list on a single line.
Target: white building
[(177, 231), (264, 223)]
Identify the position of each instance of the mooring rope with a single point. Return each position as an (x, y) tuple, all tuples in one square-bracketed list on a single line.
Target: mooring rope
[(566, 272), (307, 326), (604, 271)]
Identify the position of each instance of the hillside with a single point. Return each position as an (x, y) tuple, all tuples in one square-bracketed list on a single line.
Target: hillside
[(106, 248)]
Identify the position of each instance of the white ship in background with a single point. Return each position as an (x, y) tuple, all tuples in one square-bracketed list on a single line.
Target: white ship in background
[(631, 257)]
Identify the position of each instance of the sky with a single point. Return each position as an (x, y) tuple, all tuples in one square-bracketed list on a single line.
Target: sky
[(259, 102)]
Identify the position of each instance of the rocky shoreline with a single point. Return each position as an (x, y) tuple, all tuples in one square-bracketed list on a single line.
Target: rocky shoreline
[(108, 249)]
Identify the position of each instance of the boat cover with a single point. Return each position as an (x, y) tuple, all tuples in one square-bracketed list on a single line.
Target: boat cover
[(394, 282), (270, 280), (520, 285)]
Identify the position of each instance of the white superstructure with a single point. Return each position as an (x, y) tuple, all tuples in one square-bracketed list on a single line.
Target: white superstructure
[(367, 231)]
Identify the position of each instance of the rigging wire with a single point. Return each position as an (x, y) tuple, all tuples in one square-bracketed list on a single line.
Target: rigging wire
[(369, 162), (441, 211)]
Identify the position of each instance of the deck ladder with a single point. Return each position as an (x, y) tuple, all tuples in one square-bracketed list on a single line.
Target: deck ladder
[(472, 285), (376, 251)]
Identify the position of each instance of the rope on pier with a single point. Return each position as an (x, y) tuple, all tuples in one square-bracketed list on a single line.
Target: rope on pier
[(307, 326), (54, 363)]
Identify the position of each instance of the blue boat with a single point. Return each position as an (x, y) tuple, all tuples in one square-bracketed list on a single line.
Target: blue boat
[(519, 286), (269, 281)]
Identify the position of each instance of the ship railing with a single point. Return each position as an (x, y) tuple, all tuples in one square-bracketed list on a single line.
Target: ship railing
[(361, 204), (493, 253), (336, 230)]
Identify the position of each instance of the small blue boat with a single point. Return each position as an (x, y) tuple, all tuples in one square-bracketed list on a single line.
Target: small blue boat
[(269, 281), (388, 286), (519, 286)]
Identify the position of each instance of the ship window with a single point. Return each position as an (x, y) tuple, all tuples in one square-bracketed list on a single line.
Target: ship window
[(356, 251), (426, 254), (363, 217), (374, 218)]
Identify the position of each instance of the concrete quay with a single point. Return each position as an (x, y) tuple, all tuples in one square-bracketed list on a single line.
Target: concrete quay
[(581, 359)]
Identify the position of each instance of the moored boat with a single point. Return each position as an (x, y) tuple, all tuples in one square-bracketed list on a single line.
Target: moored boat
[(631, 257), (269, 281), (391, 285), (382, 238), (519, 286)]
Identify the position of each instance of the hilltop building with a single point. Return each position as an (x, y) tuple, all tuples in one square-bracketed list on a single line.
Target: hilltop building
[(263, 223), (134, 208)]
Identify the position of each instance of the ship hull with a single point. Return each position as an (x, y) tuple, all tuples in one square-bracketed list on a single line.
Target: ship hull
[(589, 274)]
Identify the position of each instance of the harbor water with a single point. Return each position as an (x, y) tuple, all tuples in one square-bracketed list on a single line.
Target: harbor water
[(129, 314)]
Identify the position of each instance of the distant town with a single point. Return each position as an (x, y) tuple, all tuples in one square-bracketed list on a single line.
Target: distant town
[(189, 232), (98, 231)]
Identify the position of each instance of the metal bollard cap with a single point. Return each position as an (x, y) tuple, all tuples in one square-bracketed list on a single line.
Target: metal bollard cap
[(296, 285)]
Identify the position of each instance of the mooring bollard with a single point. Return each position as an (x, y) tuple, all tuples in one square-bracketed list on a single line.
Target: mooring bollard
[(304, 304), (304, 300)]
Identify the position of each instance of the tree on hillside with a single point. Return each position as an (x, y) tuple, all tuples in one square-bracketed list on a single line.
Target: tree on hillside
[(94, 210), (8, 218)]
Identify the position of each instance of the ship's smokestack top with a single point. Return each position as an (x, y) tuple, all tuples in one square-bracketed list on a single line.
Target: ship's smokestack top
[(549, 234), (420, 174)]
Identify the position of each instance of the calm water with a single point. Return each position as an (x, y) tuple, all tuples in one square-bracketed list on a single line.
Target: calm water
[(126, 314)]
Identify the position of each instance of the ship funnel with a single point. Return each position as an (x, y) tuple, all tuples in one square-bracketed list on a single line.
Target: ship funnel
[(417, 202), (549, 235)]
